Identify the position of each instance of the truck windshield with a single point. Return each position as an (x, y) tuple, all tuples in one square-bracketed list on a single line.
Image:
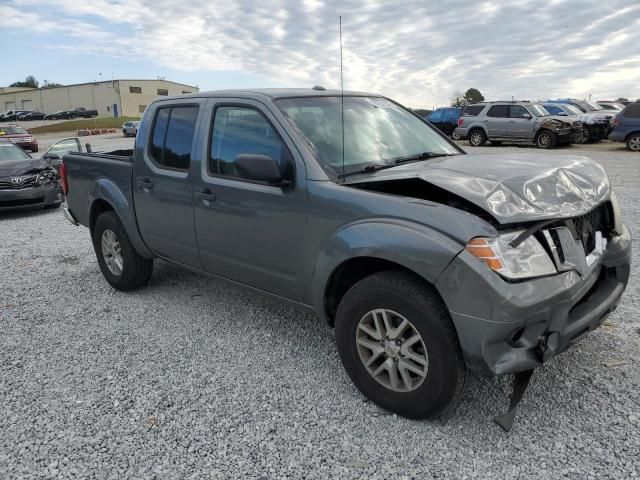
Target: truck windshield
[(377, 132)]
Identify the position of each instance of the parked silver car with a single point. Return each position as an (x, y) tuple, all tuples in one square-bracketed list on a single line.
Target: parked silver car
[(514, 122), (130, 129)]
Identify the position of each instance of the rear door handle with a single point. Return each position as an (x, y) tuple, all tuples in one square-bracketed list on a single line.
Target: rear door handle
[(145, 184), (206, 196)]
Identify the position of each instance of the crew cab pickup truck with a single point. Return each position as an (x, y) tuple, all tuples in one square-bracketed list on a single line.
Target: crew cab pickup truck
[(429, 262)]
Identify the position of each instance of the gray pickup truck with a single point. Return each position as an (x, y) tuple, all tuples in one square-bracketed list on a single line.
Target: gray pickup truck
[(429, 262)]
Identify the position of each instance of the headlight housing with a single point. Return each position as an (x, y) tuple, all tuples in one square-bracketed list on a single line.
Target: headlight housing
[(527, 260), (46, 177)]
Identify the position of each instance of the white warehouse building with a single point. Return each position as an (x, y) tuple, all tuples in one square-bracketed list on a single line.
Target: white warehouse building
[(112, 98)]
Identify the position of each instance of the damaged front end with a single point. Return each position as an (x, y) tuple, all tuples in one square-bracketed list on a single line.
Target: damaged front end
[(556, 267)]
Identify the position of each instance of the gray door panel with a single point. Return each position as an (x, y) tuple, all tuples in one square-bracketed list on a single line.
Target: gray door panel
[(251, 233), (519, 127)]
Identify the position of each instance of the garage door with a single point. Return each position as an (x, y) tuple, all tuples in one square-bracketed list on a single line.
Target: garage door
[(9, 105), (27, 104)]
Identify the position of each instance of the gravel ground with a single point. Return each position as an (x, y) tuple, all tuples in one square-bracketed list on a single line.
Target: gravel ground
[(195, 378)]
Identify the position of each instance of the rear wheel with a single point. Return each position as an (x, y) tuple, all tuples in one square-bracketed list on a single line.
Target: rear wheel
[(477, 138), (633, 142), (398, 345), (455, 136), (546, 139), (120, 264)]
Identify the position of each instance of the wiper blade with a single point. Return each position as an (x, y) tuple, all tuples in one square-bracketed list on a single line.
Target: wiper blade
[(367, 169), (420, 156)]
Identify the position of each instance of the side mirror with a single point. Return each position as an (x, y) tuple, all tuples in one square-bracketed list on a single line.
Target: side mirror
[(527, 116), (261, 168)]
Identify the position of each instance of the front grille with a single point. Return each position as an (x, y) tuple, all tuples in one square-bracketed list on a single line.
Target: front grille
[(25, 182), (584, 227)]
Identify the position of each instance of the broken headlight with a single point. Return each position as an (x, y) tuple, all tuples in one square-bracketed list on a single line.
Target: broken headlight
[(46, 177), (528, 260)]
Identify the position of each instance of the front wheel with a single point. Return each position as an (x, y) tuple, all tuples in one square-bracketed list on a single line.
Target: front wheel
[(455, 136), (398, 345), (633, 142), (581, 136), (546, 139), (120, 264)]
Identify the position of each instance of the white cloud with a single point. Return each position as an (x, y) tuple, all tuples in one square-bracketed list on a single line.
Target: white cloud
[(414, 51)]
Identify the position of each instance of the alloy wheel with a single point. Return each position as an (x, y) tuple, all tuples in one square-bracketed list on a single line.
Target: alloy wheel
[(112, 252), (475, 139), (392, 350), (634, 143), (544, 140)]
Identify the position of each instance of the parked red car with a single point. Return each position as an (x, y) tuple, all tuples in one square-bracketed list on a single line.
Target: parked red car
[(19, 136)]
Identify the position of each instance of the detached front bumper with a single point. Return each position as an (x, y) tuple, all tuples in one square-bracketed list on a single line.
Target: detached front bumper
[(510, 327), (40, 196)]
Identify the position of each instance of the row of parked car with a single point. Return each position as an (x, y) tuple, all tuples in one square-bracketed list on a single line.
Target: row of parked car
[(24, 115), (545, 124)]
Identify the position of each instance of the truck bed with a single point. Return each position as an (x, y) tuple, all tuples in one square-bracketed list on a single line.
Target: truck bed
[(87, 173)]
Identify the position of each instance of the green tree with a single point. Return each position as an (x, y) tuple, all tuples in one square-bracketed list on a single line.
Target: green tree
[(473, 95), (29, 82), (622, 99)]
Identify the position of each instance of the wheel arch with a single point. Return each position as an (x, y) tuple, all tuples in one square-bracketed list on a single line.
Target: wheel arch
[(106, 196), (352, 270), (632, 132)]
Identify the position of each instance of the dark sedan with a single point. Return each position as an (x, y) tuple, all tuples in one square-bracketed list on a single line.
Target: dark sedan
[(26, 181)]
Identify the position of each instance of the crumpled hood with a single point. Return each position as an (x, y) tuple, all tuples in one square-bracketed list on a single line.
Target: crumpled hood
[(13, 168), (513, 188)]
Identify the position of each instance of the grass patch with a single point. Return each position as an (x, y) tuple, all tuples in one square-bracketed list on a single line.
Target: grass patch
[(71, 125)]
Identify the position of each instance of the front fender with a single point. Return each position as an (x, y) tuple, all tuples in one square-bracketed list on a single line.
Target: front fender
[(415, 247), (107, 191)]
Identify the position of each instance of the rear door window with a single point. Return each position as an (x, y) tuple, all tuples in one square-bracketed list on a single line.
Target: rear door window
[(173, 136), (498, 111)]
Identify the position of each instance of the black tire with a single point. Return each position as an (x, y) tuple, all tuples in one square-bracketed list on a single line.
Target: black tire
[(34, 150), (477, 137), (124, 133), (136, 270), (633, 142), (546, 139), (582, 136), (419, 303)]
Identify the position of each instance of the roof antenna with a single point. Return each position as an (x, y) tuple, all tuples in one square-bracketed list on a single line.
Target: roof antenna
[(341, 94)]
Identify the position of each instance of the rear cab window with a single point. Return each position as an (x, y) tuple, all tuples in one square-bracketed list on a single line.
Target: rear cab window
[(172, 137)]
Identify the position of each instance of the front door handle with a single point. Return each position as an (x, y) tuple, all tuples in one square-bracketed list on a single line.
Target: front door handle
[(206, 196), (145, 184)]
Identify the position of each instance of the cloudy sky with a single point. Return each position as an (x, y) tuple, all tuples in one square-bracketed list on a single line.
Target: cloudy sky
[(419, 52)]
